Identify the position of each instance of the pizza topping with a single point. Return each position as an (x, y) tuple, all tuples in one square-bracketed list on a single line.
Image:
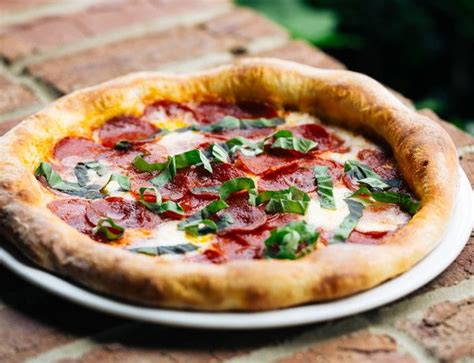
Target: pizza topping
[(404, 200), (324, 181), (127, 213), (116, 182), (212, 112), (364, 175), (178, 249), (349, 222), (318, 134), (108, 229), (81, 171), (54, 180), (291, 175), (155, 204), (263, 163), (71, 150), (285, 140), (292, 241), (245, 217), (73, 212), (238, 184), (202, 220), (123, 145), (125, 128), (231, 123), (291, 200)]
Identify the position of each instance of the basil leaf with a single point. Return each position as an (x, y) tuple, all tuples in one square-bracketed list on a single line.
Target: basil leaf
[(237, 184), (203, 214), (165, 250), (201, 227), (404, 200), (108, 229), (81, 171), (286, 140), (349, 222), (231, 122), (123, 145), (291, 200), (142, 165), (158, 206), (324, 182), (212, 190), (286, 242), (122, 181), (219, 154), (167, 174), (364, 174), (224, 221), (192, 157), (245, 146)]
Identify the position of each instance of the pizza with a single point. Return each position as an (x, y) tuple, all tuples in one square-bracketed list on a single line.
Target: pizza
[(259, 185)]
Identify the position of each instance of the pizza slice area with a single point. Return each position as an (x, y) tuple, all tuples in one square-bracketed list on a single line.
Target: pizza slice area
[(214, 182)]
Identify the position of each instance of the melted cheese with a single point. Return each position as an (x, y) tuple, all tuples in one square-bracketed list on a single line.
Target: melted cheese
[(179, 142)]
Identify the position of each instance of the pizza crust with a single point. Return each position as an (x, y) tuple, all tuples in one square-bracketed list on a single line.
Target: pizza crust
[(425, 154)]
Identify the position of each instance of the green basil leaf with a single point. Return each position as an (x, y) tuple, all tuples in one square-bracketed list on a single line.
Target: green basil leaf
[(364, 174), (231, 122), (192, 157), (224, 221), (285, 242), (212, 190), (122, 181), (167, 174), (165, 250), (108, 229), (325, 191), (201, 227), (404, 200), (238, 184), (292, 143), (219, 154), (123, 145), (204, 213), (291, 200), (81, 171), (350, 221), (158, 206), (142, 165), (245, 146), (282, 133)]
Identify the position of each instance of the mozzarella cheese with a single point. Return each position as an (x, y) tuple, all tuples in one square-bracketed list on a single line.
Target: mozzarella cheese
[(179, 142)]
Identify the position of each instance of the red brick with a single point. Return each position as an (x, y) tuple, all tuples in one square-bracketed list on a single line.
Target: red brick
[(14, 96), (298, 51), (445, 330), (361, 346), (35, 321), (40, 35), (20, 5), (146, 53)]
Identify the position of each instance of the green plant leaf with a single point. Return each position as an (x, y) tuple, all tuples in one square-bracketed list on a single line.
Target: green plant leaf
[(364, 174), (121, 180), (238, 184), (178, 249), (350, 221), (106, 227), (325, 190), (286, 140)]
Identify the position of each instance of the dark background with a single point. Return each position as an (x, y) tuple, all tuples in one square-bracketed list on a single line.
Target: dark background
[(422, 48)]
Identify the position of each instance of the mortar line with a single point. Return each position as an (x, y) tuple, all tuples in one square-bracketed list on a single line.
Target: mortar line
[(302, 342), (79, 347), (130, 32), (405, 343), (45, 10)]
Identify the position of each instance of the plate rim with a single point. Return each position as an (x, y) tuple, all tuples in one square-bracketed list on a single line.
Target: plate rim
[(386, 292)]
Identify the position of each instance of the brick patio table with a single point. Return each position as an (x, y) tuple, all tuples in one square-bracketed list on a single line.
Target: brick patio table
[(52, 47)]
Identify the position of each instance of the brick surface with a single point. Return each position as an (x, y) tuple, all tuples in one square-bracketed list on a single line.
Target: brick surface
[(302, 52), (14, 96), (445, 330), (48, 32), (10, 6), (357, 347), (146, 53)]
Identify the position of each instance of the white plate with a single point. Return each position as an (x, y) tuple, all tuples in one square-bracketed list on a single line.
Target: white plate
[(441, 257)]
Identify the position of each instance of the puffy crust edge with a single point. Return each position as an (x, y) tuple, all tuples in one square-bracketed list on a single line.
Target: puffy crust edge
[(425, 153)]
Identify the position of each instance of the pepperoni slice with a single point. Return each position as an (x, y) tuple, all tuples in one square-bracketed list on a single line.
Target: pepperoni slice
[(380, 162), (126, 213), (211, 112), (292, 175), (246, 217), (165, 108), (79, 149), (125, 128), (227, 249), (370, 238), (73, 212), (192, 203), (263, 163), (315, 132), (221, 172)]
